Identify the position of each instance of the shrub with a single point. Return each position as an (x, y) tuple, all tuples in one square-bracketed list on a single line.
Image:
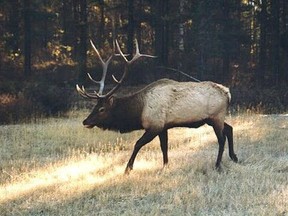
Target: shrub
[(34, 100), (48, 99), (14, 109)]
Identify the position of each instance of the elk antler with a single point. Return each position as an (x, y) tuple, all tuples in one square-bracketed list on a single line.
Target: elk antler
[(135, 57), (105, 67), (85, 94), (98, 95)]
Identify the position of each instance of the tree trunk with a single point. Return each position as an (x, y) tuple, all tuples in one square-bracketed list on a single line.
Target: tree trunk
[(284, 36), (102, 22), (226, 42), (181, 27), (130, 27), (263, 45), (276, 41), (14, 25), (82, 58), (138, 24), (27, 38), (181, 47), (161, 31), (67, 22), (75, 29)]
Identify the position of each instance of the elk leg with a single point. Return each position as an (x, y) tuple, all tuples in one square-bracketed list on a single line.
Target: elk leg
[(146, 138), (228, 131), (163, 136), (221, 140)]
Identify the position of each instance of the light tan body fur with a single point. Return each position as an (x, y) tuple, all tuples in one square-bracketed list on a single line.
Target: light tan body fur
[(177, 103)]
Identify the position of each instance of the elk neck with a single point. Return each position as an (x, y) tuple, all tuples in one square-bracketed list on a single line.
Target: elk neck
[(126, 113)]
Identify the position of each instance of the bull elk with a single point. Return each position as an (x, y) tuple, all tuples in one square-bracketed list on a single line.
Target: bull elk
[(162, 105)]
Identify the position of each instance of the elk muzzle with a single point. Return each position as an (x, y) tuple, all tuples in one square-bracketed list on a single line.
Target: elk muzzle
[(87, 124)]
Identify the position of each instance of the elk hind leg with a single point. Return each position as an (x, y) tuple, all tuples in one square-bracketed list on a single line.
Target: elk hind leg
[(228, 131), (163, 136), (218, 129)]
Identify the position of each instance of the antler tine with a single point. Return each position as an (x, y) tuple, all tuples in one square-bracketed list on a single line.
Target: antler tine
[(85, 94), (97, 52), (104, 66), (90, 77), (111, 92), (120, 51), (137, 54)]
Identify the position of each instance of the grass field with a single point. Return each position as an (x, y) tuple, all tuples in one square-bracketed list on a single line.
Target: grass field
[(57, 167)]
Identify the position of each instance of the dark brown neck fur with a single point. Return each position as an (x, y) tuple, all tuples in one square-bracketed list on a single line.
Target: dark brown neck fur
[(126, 113)]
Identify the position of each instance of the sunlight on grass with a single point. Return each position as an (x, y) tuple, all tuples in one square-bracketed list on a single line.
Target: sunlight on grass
[(72, 177), (76, 169), (56, 167), (84, 172)]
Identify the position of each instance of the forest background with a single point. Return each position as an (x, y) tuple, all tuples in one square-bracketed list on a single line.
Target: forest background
[(45, 49)]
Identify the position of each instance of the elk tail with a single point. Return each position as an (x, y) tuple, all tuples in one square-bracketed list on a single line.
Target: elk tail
[(226, 91)]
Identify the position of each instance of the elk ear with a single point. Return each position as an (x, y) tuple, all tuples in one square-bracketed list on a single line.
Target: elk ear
[(111, 100)]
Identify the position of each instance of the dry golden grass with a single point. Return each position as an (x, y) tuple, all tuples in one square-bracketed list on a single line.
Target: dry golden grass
[(57, 167)]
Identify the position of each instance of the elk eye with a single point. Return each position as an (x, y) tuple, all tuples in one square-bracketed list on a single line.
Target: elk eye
[(101, 109)]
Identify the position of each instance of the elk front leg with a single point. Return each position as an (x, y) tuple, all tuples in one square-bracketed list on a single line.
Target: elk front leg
[(228, 131), (163, 136), (146, 138)]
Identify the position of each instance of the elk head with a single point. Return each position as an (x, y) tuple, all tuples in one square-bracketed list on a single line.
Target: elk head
[(101, 114)]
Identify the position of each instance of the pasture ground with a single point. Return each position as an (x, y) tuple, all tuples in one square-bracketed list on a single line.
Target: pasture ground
[(56, 167)]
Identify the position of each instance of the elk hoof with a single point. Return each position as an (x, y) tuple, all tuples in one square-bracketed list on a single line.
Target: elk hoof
[(234, 158), (165, 167), (218, 168), (127, 170)]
